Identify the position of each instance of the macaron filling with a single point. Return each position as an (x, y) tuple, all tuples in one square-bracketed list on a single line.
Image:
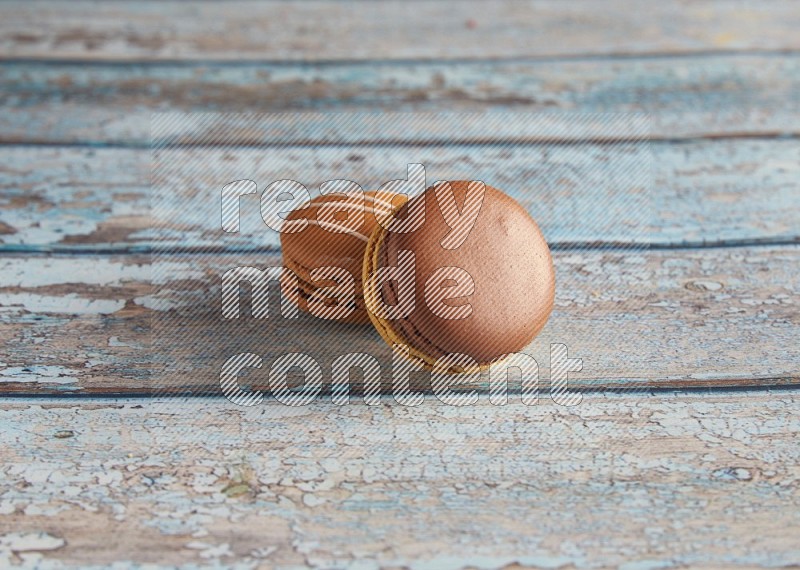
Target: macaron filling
[(306, 289), (406, 326)]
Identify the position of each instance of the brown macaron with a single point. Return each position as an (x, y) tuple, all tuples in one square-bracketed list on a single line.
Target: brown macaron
[(482, 288), (335, 236)]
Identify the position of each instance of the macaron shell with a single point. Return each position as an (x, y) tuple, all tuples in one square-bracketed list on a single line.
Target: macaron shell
[(509, 261), (299, 292), (317, 246)]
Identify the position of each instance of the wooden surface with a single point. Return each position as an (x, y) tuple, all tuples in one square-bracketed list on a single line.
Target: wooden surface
[(652, 481), (683, 452), (324, 31), (698, 95), (720, 192), (703, 324)]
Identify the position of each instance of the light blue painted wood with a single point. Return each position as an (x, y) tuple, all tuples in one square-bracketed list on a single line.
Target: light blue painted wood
[(286, 30), (620, 479), (701, 193), (685, 96), (665, 319)]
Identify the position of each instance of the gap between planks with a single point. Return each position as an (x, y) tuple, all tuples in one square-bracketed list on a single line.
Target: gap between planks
[(315, 63)]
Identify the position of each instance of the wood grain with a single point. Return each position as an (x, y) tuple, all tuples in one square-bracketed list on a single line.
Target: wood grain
[(319, 30), (702, 192), (685, 97), (661, 480), (673, 318), (639, 477)]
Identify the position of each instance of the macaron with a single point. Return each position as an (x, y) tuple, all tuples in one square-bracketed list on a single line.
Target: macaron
[(480, 289), (332, 241)]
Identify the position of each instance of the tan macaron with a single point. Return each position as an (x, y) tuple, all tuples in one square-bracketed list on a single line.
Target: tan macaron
[(335, 236), (485, 293)]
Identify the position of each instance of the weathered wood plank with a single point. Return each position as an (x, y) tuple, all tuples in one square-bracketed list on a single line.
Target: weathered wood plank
[(686, 97), (320, 30), (651, 481), (703, 192), (673, 318)]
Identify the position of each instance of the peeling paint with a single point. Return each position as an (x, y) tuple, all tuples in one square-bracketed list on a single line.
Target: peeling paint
[(38, 374), (70, 304), (544, 488)]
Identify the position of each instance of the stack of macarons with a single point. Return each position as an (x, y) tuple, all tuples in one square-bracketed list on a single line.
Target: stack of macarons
[(482, 290)]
